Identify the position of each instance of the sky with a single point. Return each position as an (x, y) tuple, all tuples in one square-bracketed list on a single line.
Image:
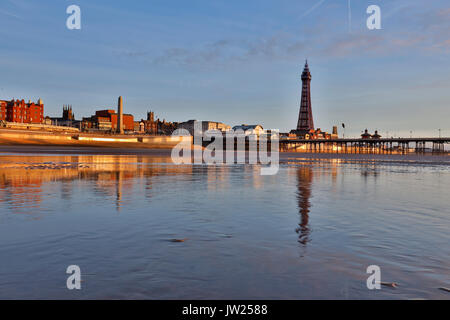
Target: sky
[(235, 61)]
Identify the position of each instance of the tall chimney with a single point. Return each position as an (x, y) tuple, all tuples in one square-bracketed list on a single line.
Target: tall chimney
[(120, 115)]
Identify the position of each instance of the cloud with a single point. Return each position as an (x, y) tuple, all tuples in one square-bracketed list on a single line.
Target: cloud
[(132, 54), (348, 45), (431, 20), (417, 29), (408, 40), (296, 48), (6, 13)]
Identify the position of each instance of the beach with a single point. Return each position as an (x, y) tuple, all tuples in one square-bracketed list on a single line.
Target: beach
[(140, 227), (284, 156)]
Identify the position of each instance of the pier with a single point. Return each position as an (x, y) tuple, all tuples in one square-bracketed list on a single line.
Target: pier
[(370, 146)]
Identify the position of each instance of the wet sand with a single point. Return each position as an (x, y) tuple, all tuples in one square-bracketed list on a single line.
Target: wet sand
[(308, 232), (284, 156), (391, 158), (82, 150)]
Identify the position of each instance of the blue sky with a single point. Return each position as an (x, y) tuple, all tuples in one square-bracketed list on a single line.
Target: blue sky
[(235, 61)]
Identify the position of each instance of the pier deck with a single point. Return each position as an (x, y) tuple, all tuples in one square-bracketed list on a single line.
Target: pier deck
[(353, 145)]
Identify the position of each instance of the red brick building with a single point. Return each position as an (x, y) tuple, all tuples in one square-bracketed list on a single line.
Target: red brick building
[(152, 126), (3, 105), (19, 111), (128, 119), (106, 120)]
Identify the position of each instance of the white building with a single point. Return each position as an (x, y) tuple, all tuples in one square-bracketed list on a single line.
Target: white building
[(254, 129), (204, 125)]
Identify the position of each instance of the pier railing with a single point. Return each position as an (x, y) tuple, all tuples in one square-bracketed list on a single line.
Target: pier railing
[(372, 146)]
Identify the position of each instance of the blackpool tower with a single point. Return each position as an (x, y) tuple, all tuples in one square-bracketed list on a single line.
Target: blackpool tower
[(305, 118)]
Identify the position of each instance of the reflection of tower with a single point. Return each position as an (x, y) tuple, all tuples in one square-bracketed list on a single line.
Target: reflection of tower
[(304, 182), (368, 171), (305, 118), (119, 176), (66, 190), (120, 115)]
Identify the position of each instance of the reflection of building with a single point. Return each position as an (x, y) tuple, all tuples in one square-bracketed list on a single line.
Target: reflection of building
[(21, 191), (304, 183), (23, 185), (204, 125), (19, 111)]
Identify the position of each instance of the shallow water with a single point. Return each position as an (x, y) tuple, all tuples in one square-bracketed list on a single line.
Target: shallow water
[(308, 232)]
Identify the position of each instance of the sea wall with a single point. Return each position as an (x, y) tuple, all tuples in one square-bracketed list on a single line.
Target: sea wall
[(23, 137), (38, 127)]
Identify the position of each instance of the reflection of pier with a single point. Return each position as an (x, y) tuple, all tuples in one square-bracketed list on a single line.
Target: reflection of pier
[(375, 146)]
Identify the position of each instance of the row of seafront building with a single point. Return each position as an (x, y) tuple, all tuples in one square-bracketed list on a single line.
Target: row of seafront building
[(111, 121), (19, 114), (107, 121)]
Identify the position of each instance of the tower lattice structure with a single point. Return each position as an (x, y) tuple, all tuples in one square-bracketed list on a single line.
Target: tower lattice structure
[(305, 118)]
